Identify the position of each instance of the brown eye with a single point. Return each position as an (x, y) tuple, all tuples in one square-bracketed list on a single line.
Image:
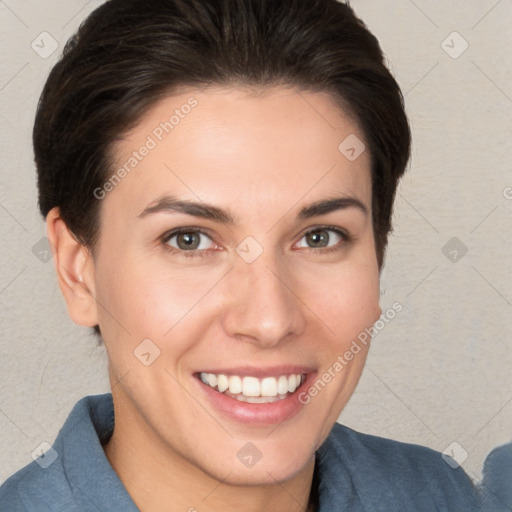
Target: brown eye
[(317, 239), (321, 238), (189, 241)]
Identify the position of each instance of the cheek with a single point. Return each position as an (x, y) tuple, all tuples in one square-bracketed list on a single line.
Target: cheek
[(346, 300), (140, 299), (128, 296)]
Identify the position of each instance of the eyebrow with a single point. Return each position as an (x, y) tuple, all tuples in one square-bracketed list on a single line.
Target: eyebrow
[(171, 204)]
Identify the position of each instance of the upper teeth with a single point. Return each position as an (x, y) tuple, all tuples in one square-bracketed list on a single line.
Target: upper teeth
[(252, 386)]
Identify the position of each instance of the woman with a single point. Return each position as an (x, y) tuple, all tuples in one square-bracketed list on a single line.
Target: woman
[(217, 179)]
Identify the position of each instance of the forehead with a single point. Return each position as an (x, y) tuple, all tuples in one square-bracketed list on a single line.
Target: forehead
[(266, 149)]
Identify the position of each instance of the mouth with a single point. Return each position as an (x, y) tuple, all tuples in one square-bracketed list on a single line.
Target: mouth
[(254, 390), (253, 395)]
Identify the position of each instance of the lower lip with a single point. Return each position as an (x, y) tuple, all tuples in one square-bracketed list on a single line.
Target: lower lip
[(257, 414)]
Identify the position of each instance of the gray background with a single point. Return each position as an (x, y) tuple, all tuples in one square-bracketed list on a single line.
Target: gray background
[(439, 373)]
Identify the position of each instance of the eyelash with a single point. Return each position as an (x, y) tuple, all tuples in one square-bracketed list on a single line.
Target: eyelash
[(201, 253)]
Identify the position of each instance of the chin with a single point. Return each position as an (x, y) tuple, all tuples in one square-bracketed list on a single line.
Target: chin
[(266, 466)]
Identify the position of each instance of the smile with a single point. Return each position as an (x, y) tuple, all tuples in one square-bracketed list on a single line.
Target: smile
[(252, 389)]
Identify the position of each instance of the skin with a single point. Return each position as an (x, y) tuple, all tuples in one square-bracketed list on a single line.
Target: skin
[(261, 156)]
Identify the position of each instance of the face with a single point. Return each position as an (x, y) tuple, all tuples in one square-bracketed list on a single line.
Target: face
[(237, 249)]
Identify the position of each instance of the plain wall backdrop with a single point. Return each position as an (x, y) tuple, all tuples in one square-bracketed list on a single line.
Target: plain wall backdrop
[(439, 372)]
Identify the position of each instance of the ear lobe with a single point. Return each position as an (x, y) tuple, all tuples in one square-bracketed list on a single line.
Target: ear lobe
[(74, 265)]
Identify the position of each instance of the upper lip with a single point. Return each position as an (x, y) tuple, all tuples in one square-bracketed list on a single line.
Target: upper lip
[(259, 372)]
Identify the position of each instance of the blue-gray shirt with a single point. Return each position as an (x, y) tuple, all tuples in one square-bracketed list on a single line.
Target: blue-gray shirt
[(496, 486), (353, 472)]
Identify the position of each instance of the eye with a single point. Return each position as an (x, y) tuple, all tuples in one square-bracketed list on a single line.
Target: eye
[(195, 242), (188, 240), (323, 238)]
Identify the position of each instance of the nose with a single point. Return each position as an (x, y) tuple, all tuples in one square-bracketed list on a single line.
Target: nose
[(263, 307)]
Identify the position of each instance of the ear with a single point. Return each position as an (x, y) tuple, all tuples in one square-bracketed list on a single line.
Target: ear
[(75, 271)]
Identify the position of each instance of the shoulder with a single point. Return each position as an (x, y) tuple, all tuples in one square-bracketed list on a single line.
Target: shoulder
[(44, 485), (390, 474), (389, 454), (497, 473), (37, 487)]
